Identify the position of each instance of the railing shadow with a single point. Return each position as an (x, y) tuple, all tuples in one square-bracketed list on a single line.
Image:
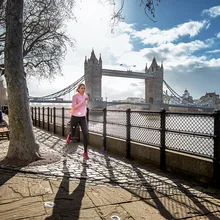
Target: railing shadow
[(200, 202), (151, 191), (55, 143), (45, 136), (110, 169), (67, 205), (142, 183)]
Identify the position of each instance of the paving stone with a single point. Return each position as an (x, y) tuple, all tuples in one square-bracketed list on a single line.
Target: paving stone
[(139, 210), (103, 195), (171, 209), (106, 212), (200, 205), (23, 208), (7, 193), (75, 214), (39, 187)]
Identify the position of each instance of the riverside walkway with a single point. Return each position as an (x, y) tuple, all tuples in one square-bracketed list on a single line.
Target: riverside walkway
[(103, 187)]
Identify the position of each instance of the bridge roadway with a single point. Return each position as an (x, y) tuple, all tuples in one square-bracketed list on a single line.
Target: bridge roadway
[(68, 187), (127, 74)]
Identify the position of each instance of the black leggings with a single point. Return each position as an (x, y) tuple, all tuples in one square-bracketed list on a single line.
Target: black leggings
[(83, 124)]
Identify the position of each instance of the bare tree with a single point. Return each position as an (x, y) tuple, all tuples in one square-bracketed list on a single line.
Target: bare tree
[(1, 2), (45, 41), (44, 36), (31, 38), (22, 144), (148, 6)]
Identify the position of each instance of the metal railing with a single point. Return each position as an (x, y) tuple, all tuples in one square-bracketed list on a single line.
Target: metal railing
[(191, 133)]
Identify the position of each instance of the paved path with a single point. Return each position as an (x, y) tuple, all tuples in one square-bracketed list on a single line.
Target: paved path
[(102, 187)]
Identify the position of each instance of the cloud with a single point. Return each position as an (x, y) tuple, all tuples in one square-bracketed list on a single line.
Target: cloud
[(213, 51), (156, 36), (212, 12), (187, 64)]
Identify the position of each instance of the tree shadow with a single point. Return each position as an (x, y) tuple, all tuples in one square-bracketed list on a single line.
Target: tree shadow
[(67, 205), (9, 168)]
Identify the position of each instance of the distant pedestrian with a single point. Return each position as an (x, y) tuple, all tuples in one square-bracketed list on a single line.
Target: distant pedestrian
[(78, 116)]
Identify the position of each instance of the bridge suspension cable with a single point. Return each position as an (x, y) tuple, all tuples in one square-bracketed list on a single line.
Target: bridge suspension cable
[(172, 91), (179, 99), (62, 92)]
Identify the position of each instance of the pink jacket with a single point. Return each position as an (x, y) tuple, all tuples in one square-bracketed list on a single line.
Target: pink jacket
[(79, 105)]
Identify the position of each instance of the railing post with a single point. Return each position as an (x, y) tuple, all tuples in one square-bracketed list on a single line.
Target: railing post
[(51, 115), (32, 115), (54, 120), (216, 159), (128, 133), (104, 128), (39, 117), (35, 116), (43, 116), (63, 121), (48, 118), (162, 139)]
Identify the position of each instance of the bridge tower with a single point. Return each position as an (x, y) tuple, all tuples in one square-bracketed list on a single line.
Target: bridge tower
[(93, 80), (154, 86)]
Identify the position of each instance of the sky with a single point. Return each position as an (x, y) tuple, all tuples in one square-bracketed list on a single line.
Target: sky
[(185, 37)]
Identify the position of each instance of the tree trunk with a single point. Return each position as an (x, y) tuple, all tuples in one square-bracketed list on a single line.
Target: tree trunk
[(22, 144), (1, 2)]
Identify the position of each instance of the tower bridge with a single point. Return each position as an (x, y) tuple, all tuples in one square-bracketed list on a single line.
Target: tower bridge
[(93, 72)]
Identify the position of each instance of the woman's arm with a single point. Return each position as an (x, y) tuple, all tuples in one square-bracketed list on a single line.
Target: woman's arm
[(74, 105)]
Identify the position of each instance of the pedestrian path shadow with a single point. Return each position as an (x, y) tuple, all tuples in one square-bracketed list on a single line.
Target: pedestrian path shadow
[(67, 205)]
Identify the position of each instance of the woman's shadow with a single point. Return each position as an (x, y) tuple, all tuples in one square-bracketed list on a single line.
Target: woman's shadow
[(67, 205)]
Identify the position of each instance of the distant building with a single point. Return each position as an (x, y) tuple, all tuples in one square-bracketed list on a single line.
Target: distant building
[(135, 99), (131, 102), (212, 98), (186, 97)]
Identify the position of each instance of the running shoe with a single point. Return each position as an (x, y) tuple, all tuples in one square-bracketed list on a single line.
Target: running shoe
[(68, 140), (85, 155)]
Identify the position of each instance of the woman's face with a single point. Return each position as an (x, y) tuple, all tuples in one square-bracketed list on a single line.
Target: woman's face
[(81, 89)]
